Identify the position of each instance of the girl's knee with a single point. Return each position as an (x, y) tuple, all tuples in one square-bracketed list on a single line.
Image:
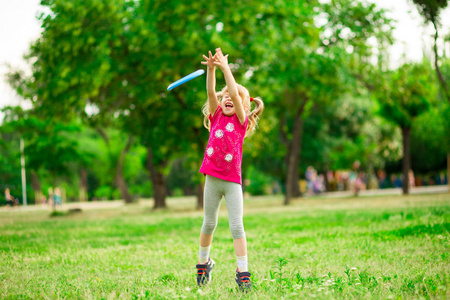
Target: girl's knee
[(208, 227), (237, 230)]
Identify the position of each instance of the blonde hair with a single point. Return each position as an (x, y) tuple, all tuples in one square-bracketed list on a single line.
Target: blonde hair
[(253, 116)]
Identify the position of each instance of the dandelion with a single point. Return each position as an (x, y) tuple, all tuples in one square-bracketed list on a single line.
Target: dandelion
[(187, 289), (353, 269), (200, 292)]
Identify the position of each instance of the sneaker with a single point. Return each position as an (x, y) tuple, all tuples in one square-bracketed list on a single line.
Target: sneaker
[(243, 281), (204, 272)]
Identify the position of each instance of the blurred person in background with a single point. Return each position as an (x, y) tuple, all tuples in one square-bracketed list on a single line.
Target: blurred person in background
[(10, 200), (319, 184), (57, 196), (396, 181), (360, 183), (310, 175), (332, 182), (412, 181), (354, 177)]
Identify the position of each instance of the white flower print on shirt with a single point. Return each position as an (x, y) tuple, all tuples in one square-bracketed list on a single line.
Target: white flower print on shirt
[(219, 134), (210, 151), (228, 157), (230, 127)]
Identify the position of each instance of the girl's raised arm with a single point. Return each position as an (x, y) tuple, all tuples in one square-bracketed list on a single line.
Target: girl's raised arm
[(211, 83), (222, 62)]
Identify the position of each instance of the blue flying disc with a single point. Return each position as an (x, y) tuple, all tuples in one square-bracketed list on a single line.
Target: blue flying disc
[(185, 78)]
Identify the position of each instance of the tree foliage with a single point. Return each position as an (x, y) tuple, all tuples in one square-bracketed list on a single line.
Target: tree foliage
[(431, 10), (100, 71), (406, 94)]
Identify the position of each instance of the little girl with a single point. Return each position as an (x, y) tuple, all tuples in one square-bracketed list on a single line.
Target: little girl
[(229, 120)]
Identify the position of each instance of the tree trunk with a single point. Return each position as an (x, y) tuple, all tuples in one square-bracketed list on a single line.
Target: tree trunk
[(35, 183), (293, 156), (436, 65), (158, 180), (120, 181), (327, 184), (292, 185), (83, 186), (406, 132), (199, 196)]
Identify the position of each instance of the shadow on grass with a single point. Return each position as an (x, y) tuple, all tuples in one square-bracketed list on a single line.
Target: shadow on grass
[(414, 231)]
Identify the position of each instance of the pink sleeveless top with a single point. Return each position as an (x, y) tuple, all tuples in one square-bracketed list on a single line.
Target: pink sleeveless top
[(223, 155)]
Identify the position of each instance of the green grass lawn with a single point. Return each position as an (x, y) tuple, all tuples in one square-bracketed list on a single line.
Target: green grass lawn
[(375, 247)]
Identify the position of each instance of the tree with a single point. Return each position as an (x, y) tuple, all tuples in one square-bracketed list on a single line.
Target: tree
[(349, 129), (430, 11), (49, 147), (288, 56), (406, 94), (180, 34), (79, 68), (117, 58), (445, 112), (428, 145), (10, 176), (316, 65)]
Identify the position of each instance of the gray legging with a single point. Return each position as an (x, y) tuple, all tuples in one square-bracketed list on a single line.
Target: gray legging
[(215, 188)]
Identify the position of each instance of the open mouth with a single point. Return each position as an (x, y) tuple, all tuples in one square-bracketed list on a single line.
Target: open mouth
[(229, 105)]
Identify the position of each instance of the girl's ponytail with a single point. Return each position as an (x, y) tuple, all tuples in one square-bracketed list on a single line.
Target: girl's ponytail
[(253, 116)]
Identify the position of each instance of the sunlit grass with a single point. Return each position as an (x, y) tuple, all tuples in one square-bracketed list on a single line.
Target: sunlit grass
[(377, 247)]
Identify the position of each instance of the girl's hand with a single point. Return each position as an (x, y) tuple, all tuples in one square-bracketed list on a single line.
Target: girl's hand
[(220, 60), (209, 60)]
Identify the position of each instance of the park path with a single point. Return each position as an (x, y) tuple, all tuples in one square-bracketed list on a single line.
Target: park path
[(393, 191), (188, 202)]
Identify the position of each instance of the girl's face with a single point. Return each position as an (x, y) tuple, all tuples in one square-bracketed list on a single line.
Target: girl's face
[(227, 105)]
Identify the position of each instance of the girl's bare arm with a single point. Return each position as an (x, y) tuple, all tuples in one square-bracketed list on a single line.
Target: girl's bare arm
[(222, 62), (211, 83)]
